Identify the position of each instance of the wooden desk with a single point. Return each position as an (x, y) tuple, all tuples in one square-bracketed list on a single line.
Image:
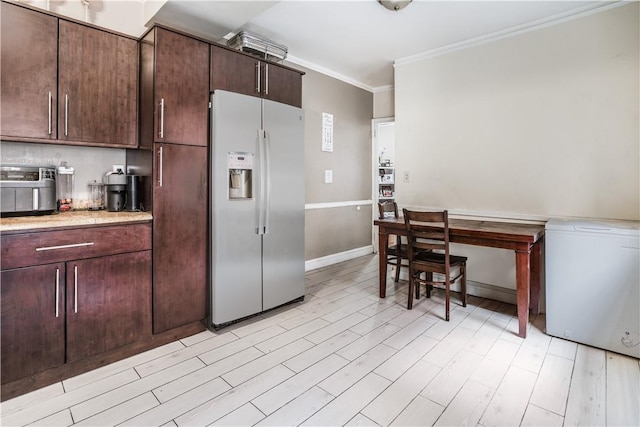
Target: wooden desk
[(526, 240)]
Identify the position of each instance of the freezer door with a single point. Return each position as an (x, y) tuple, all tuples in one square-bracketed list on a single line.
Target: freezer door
[(283, 241), (236, 288), (593, 289)]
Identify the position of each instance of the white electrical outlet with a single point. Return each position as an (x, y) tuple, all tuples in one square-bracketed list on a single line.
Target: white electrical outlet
[(116, 167), (328, 176), (405, 176)]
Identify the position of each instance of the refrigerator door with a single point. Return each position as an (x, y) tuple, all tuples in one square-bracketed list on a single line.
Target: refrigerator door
[(283, 241), (236, 276)]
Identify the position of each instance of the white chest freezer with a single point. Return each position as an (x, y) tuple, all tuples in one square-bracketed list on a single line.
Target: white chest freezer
[(593, 283)]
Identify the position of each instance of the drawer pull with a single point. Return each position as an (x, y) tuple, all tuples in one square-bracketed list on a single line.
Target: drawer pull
[(74, 245)]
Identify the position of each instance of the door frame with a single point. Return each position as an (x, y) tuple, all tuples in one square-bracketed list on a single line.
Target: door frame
[(375, 123)]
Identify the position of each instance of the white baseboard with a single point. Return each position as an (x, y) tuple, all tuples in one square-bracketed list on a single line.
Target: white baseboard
[(493, 292), (312, 264)]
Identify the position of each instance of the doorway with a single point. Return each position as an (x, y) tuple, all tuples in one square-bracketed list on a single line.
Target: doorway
[(383, 167)]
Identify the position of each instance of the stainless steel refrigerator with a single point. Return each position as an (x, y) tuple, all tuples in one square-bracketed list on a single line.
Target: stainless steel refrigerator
[(257, 206)]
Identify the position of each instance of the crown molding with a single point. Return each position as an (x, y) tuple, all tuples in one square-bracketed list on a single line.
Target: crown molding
[(328, 72), (513, 31), (387, 88)]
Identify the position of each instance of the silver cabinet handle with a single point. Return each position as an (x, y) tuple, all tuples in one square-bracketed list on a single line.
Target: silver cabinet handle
[(50, 101), (258, 77), (73, 245), (266, 79), (161, 133), (75, 288), (34, 199), (160, 167), (57, 290), (66, 115)]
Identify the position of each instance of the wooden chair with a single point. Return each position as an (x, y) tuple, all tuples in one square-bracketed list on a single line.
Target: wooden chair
[(396, 251), (428, 252)]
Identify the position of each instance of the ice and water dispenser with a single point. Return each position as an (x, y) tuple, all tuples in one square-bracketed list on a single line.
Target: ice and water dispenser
[(240, 169)]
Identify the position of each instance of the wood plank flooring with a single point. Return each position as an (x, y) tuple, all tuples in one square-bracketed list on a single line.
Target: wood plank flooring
[(346, 357)]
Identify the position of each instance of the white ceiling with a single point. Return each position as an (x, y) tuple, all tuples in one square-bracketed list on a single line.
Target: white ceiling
[(359, 40)]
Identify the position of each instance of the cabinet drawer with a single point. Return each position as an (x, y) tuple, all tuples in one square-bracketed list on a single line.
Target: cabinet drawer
[(21, 250)]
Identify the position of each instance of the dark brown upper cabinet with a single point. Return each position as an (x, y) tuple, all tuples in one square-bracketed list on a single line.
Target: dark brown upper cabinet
[(240, 73), (66, 83), (29, 86), (174, 97), (97, 83)]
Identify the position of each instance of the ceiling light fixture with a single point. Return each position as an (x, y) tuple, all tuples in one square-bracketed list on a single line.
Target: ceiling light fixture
[(394, 5)]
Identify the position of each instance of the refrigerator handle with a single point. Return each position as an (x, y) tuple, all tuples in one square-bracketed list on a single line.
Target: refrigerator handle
[(267, 179), (261, 193)]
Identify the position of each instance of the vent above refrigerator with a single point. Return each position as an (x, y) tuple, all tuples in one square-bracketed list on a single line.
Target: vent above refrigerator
[(259, 46)]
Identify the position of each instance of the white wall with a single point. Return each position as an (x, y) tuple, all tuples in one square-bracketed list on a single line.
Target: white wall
[(383, 103), (541, 124), (544, 123)]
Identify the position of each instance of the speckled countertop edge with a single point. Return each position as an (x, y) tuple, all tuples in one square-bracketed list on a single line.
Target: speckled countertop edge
[(70, 219)]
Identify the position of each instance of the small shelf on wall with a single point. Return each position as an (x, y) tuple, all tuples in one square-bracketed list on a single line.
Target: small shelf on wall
[(386, 182)]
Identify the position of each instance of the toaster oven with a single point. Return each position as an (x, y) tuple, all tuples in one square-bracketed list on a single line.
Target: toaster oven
[(27, 190)]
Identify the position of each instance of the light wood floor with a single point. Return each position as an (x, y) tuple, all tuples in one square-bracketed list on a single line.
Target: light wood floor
[(345, 357)]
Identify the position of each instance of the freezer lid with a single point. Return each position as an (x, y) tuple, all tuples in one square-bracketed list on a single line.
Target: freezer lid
[(595, 226)]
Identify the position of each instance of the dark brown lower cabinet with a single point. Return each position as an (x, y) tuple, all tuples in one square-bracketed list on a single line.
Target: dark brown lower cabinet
[(91, 294), (108, 303), (33, 320), (180, 200)]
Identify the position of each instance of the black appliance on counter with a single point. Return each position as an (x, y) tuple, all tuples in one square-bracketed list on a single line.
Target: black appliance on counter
[(134, 193), (27, 190), (123, 192)]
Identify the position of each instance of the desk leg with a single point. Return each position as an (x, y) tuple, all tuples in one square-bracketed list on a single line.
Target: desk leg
[(383, 239), (536, 277), (523, 275)]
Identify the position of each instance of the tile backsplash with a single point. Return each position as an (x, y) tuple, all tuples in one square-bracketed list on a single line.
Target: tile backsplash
[(90, 163)]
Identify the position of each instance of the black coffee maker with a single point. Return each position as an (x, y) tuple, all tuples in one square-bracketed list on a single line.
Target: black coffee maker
[(134, 190)]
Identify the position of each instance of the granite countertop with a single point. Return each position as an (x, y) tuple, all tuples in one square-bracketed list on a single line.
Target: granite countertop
[(70, 219)]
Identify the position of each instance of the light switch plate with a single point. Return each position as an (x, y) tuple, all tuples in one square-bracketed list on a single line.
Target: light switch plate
[(328, 176)]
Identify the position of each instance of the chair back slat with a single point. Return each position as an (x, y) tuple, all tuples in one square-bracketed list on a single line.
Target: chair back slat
[(428, 246), (435, 235)]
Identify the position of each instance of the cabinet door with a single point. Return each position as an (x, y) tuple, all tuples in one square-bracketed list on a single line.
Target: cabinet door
[(32, 320), (234, 72), (97, 86), (180, 202), (108, 303), (28, 58), (282, 85), (181, 89)]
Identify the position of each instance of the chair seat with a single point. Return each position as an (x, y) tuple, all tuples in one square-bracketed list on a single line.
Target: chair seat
[(430, 261), (437, 257)]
